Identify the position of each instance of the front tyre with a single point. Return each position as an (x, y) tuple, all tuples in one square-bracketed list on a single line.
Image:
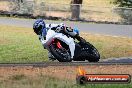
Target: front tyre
[(61, 54)]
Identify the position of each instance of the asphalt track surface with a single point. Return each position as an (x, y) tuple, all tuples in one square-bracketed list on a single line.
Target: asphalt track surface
[(104, 29), (101, 29)]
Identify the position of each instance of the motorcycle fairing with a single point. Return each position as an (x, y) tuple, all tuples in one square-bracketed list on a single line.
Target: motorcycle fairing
[(68, 40)]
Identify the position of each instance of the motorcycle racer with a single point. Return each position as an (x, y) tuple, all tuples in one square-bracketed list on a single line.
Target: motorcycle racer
[(41, 28)]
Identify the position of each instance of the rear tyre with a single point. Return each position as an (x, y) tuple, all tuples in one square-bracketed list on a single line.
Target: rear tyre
[(90, 52)]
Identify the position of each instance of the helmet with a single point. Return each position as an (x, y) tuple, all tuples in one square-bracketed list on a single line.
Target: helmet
[(38, 25), (76, 30)]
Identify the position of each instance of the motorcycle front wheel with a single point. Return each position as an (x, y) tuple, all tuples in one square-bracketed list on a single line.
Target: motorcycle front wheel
[(60, 53)]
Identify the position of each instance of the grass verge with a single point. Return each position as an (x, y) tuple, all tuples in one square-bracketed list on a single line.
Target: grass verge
[(19, 44), (50, 82)]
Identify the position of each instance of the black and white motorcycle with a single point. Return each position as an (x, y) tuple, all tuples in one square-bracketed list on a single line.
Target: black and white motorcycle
[(65, 49)]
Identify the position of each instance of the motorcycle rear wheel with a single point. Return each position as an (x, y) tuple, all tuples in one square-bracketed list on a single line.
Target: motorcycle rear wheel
[(90, 52)]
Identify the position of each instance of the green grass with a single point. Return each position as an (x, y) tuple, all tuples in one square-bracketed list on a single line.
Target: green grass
[(51, 82), (19, 44)]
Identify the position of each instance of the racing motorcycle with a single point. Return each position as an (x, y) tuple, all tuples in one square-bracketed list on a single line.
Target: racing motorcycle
[(65, 49)]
